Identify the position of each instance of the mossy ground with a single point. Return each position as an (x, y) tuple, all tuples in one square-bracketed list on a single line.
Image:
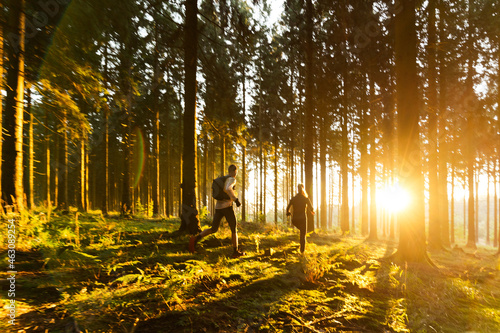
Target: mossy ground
[(136, 275)]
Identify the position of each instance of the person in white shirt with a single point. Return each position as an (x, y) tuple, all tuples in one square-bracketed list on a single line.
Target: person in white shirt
[(223, 208)]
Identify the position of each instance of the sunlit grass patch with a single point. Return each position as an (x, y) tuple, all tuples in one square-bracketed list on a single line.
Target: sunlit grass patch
[(139, 272), (396, 316)]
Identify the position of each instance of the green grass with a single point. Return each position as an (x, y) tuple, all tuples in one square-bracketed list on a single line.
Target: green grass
[(136, 275)]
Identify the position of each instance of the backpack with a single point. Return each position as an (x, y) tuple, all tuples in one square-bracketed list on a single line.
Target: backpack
[(218, 188)]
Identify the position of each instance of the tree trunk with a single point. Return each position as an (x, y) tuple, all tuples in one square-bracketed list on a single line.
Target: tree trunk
[(223, 169), (243, 185), (126, 203), (470, 129), (322, 162), (446, 233), (189, 215), (275, 179), (81, 201), (63, 165), (434, 217), (309, 127), (363, 172), (12, 182), (105, 199), (244, 158), (31, 156), (488, 201), (353, 180), (476, 202), (495, 203), (344, 166), (412, 246), (2, 88), (264, 190), (452, 208), (156, 134), (86, 182), (373, 235), (47, 160)]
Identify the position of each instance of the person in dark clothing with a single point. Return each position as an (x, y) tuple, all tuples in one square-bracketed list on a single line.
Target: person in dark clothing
[(223, 208), (299, 203)]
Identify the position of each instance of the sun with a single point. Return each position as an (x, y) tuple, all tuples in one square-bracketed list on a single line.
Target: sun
[(393, 198)]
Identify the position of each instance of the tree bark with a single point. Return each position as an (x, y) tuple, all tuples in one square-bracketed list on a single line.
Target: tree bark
[(444, 218), (322, 162), (156, 132), (31, 156), (105, 199), (276, 179), (344, 166), (373, 235), (189, 215), (434, 216), (12, 182), (63, 165), (412, 246), (309, 126), (470, 129), (363, 172), (2, 88)]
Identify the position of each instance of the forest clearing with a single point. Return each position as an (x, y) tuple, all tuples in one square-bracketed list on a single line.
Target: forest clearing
[(136, 275)]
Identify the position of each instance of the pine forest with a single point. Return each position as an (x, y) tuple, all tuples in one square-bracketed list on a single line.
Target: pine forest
[(117, 116)]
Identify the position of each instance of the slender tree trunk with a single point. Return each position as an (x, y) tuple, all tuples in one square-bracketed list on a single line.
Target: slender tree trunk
[(156, 135), (373, 235), (47, 160), (2, 88), (63, 163), (412, 246), (276, 179), (31, 156), (57, 153), (86, 191), (373, 166), (81, 202), (244, 158), (322, 162), (470, 130), (344, 210), (244, 184), (205, 171), (264, 190), (363, 173), (476, 202), (434, 218), (353, 180), (495, 205), (105, 203), (189, 215), (309, 127), (443, 132), (452, 208), (126, 206), (496, 165), (488, 201)]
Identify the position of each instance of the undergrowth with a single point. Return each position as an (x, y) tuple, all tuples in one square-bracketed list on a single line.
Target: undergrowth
[(135, 275)]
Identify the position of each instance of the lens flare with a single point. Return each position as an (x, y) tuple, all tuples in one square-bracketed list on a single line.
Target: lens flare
[(138, 156)]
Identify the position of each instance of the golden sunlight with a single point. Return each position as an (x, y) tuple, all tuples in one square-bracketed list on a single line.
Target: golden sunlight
[(393, 198)]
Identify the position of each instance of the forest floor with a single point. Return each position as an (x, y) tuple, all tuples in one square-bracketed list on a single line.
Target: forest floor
[(94, 274)]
